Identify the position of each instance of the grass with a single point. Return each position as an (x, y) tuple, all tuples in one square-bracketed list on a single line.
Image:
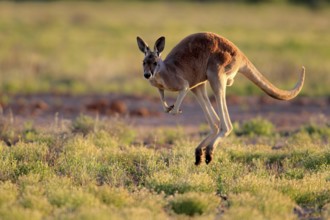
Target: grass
[(107, 172), (89, 168), (67, 47), (257, 126)]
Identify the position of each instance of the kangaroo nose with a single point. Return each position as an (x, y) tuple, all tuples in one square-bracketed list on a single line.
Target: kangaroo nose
[(147, 75)]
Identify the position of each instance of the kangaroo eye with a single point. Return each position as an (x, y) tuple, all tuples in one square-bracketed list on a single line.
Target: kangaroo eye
[(144, 62), (155, 63)]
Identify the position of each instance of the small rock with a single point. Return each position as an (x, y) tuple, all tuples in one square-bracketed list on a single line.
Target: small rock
[(40, 105), (98, 105), (118, 106), (141, 112)]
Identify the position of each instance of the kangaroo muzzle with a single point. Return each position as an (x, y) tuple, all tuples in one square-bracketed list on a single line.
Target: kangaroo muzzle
[(147, 75)]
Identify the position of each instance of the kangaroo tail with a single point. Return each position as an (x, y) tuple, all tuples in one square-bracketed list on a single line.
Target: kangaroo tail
[(251, 72)]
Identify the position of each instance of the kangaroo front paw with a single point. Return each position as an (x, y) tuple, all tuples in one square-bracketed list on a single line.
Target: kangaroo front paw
[(175, 111), (168, 109)]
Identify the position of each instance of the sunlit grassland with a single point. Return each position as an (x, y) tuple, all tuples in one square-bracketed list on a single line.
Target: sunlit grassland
[(91, 47), (93, 169)]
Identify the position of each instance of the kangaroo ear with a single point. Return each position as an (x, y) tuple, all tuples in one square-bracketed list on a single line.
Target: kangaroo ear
[(159, 45), (142, 45)]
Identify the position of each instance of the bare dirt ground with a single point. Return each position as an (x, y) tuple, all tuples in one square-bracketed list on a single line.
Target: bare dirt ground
[(146, 112)]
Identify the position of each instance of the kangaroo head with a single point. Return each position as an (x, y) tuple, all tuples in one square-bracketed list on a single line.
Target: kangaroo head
[(151, 58)]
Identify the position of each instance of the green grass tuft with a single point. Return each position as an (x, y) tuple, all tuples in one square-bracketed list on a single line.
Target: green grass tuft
[(193, 203), (257, 126)]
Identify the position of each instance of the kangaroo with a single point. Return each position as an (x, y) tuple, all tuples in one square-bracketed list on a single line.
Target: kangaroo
[(199, 58)]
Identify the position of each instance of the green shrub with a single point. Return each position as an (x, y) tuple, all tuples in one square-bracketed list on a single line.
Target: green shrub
[(8, 192), (116, 131), (79, 159), (148, 199), (171, 183), (114, 175), (259, 158), (29, 152), (23, 158), (312, 190), (61, 193), (119, 130), (90, 213), (104, 139), (118, 197), (295, 173), (33, 202), (141, 213), (139, 163), (257, 126), (321, 131), (163, 137), (8, 166), (83, 124), (193, 203), (127, 166), (316, 160), (17, 212), (262, 203)]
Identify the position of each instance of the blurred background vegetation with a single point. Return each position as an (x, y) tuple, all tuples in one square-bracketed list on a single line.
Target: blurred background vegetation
[(90, 47)]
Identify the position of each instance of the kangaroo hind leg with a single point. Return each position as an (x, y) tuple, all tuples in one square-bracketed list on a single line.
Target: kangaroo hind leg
[(211, 117), (218, 81)]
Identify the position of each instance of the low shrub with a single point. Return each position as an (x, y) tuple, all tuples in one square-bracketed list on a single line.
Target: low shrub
[(256, 126), (193, 203), (170, 183), (262, 203), (83, 124)]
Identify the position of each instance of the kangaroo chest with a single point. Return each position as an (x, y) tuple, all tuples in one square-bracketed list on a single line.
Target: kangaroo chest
[(167, 82), (158, 82)]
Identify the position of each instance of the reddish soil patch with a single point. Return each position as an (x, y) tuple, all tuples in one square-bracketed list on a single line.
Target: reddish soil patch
[(146, 112)]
